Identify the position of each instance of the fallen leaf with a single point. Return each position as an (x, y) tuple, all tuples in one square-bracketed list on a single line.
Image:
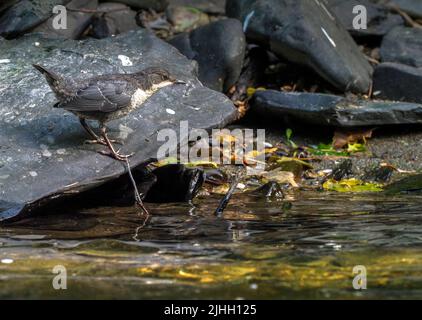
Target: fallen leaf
[(343, 138), (281, 177), (351, 185)]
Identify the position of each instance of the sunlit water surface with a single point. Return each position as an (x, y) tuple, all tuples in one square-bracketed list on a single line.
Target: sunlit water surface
[(302, 247)]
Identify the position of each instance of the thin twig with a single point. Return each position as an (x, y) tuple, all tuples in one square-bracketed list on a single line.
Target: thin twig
[(404, 15), (138, 197), (139, 228), (371, 90), (372, 60), (224, 202)]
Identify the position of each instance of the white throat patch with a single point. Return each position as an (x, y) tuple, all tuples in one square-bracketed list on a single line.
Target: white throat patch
[(140, 96), (158, 86)]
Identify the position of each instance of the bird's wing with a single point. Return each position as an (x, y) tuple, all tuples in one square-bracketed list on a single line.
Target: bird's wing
[(99, 97)]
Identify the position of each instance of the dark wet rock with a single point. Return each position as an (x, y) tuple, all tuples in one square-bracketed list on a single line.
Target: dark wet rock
[(77, 22), (270, 190), (412, 7), (380, 19), (208, 6), (215, 176), (185, 19), (403, 45), (9, 210), (253, 72), (380, 174), (342, 170), (406, 185), (175, 183), (219, 49), (118, 18), (25, 15), (304, 32), (324, 109), (99, 28), (157, 5), (116, 192), (42, 152), (170, 183), (399, 82), (6, 4)]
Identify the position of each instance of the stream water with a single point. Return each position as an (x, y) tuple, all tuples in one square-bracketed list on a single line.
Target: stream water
[(302, 247)]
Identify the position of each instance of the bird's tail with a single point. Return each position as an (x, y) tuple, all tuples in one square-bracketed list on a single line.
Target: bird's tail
[(47, 73), (52, 78)]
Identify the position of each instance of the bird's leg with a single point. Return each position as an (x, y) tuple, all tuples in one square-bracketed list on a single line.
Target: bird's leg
[(96, 138), (91, 132), (112, 153)]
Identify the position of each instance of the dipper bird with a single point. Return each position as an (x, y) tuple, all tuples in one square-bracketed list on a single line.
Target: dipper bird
[(106, 97)]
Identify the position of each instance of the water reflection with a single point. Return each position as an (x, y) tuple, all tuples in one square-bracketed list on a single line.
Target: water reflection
[(304, 247)]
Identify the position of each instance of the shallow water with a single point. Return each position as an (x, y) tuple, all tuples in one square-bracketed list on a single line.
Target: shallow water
[(303, 247)]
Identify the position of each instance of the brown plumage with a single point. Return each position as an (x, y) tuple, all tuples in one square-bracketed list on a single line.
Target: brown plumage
[(106, 97)]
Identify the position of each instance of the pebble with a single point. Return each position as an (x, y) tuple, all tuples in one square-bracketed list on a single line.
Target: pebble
[(125, 60), (46, 153), (7, 261), (33, 173)]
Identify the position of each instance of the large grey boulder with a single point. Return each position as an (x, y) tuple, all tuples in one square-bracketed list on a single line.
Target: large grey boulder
[(118, 18), (6, 4), (219, 49), (305, 32), (331, 110), (157, 5), (77, 21), (412, 7), (25, 15), (208, 6), (380, 19), (403, 45), (399, 82), (42, 152)]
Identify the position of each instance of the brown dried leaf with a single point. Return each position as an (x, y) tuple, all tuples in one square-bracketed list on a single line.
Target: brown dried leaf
[(343, 138)]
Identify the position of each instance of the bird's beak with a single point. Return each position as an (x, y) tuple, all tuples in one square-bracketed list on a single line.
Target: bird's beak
[(180, 82)]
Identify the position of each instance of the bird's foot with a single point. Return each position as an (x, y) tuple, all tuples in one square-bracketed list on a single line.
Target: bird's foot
[(116, 155), (98, 141), (102, 142)]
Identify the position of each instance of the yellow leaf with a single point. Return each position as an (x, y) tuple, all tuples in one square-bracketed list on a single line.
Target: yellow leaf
[(251, 91), (351, 185), (207, 164)]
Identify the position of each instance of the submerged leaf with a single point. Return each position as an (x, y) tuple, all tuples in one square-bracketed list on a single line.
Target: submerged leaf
[(351, 185)]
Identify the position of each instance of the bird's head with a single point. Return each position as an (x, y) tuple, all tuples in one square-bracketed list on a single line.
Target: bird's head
[(157, 78)]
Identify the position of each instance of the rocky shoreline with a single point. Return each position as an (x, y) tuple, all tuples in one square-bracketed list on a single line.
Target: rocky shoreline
[(270, 64)]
